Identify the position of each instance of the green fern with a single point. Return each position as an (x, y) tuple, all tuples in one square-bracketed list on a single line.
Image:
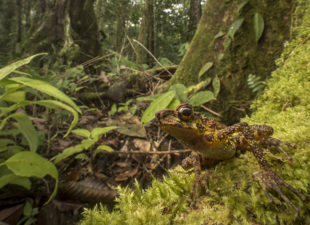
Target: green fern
[(256, 85)]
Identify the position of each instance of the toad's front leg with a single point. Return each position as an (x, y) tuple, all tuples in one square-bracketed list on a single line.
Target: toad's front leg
[(197, 161), (269, 180), (194, 161)]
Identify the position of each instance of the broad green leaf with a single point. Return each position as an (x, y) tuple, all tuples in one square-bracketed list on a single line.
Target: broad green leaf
[(190, 88), (103, 149), (86, 143), (27, 209), (81, 156), (26, 127), (219, 34), (113, 110), (10, 151), (199, 86), (241, 5), (235, 27), (5, 82), (22, 181), (5, 110), (258, 26), (180, 91), (148, 98), (227, 43), (22, 73), (158, 104), (12, 86), (95, 133), (68, 152), (12, 132), (82, 132), (15, 97), (216, 84), (12, 92), (47, 103), (201, 98), (5, 142), (24, 124), (13, 66), (30, 164), (204, 69), (46, 88), (13, 179), (174, 104), (56, 104)]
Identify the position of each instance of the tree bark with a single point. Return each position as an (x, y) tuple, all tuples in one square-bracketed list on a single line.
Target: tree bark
[(236, 56), (120, 25), (146, 34), (8, 25), (85, 28), (64, 27), (19, 4), (194, 15)]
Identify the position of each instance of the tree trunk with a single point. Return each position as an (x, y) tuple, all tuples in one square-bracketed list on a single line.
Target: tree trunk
[(120, 26), (19, 10), (64, 27), (85, 28), (100, 10), (8, 26), (146, 34), (234, 52), (194, 15)]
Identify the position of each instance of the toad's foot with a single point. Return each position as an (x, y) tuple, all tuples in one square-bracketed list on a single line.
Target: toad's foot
[(269, 180), (270, 143), (195, 161)]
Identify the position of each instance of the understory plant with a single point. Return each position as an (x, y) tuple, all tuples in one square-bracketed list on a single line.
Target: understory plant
[(90, 138), (178, 93), (19, 138)]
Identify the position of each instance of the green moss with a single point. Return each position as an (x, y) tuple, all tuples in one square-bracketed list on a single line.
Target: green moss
[(160, 204), (234, 197)]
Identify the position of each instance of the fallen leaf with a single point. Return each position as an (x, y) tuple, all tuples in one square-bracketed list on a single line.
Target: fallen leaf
[(125, 176), (142, 145), (128, 124)]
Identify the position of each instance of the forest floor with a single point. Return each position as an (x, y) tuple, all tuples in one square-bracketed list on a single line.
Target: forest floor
[(139, 154)]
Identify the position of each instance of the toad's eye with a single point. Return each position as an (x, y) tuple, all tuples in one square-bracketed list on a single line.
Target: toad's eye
[(185, 113)]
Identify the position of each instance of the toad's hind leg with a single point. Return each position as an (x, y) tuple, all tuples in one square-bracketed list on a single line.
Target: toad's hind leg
[(270, 180)]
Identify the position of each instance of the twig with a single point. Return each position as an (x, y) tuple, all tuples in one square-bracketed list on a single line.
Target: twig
[(144, 72), (211, 111), (97, 58), (169, 155), (285, 106), (158, 152), (150, 53), (132, 46)]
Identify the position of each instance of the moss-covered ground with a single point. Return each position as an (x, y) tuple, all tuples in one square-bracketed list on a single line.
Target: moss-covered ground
[(234, 197)]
